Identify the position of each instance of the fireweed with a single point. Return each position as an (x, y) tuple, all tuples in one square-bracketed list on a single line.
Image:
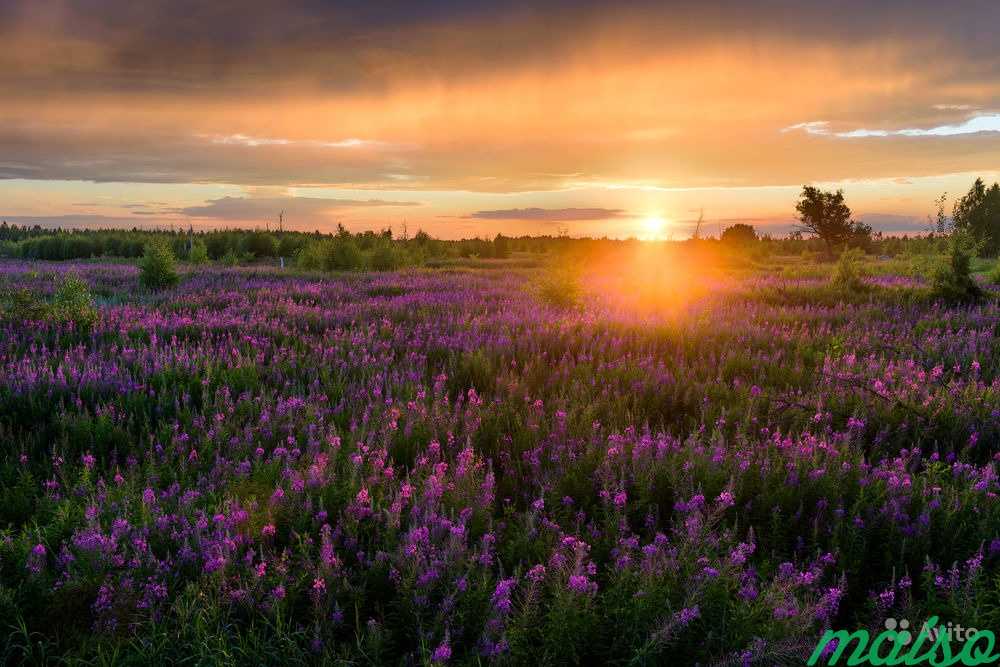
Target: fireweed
[(436, 467)]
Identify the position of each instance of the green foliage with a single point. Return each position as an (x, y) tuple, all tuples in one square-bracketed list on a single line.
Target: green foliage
[(22, 305), (198, 253), (73, 302), (343, 254), (158, 266), (260, 244), (978, 214), (994, 275), (386, 257), (559, 286), (501, 247), (311, 256), (953, 281), (848, 274), (234, 258)]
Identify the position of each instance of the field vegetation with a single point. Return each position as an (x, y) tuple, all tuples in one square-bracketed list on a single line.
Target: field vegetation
[(527, 451)]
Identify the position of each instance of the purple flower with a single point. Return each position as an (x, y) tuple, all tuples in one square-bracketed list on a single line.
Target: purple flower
[(579, 583), (442, 653), (685, 616)]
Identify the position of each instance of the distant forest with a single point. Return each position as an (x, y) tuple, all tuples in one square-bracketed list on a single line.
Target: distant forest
[(381, 250)]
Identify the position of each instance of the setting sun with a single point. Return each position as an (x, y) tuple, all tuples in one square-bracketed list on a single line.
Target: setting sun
[(654, 228)]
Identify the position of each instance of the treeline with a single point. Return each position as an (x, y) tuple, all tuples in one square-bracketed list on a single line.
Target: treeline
[(341, 250), (369, 250)]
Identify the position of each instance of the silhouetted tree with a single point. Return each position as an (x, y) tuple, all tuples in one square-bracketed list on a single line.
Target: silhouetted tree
[(827, 216), (739, 234)]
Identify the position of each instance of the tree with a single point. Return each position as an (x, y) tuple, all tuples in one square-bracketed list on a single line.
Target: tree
[(157, 264), (952, 280), (260, 244), (978, 213), (198, 253), (739, 234), (827, 216), (501, 247)]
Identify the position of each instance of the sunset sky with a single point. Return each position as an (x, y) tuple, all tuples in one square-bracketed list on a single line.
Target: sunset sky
[(469, 118)]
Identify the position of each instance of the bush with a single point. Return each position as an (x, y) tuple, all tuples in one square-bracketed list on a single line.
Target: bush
[(199, 252), (343, 254), (73, 302), (22, 305), (739, 234), (158, 265), (994, 276), (260, 244), (312, 257), (234, 258), (386, 257), (848, 275), (559, 287), (952, 281)]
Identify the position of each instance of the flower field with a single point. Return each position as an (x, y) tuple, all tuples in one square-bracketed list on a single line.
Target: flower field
[(435, 467)]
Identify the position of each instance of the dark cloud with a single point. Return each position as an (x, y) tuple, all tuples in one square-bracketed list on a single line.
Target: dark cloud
[(891, 223), (257, 46), (550, 214), (33, 150), (672, 92), (261, 208)]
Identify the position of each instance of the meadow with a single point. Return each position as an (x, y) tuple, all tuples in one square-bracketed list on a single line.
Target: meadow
[(460, 466)]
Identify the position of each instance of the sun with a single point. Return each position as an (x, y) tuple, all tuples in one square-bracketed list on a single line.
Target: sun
[(654, 227)]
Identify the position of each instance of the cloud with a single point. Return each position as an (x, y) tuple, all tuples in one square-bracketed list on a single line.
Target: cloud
[(550, 214), (468, 95), (268, 208), (244, 140), (955, 107), (810, 127), (974, 125), (892, 223)]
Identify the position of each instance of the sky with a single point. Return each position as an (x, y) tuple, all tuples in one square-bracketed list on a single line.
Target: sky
[(467, 118)]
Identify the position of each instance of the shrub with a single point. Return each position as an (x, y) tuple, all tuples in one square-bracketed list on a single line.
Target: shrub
[(343, 254), (312, 257), (953, 281), (22, 305), (199, 252), (560, 287), (739, 234), (234, 258), (386, 257), (994, 275), (73, 302), (158, 266), (848, 275), (260, 244)]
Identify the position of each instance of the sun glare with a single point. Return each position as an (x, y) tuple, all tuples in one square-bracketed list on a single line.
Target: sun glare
[(654, 228)]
